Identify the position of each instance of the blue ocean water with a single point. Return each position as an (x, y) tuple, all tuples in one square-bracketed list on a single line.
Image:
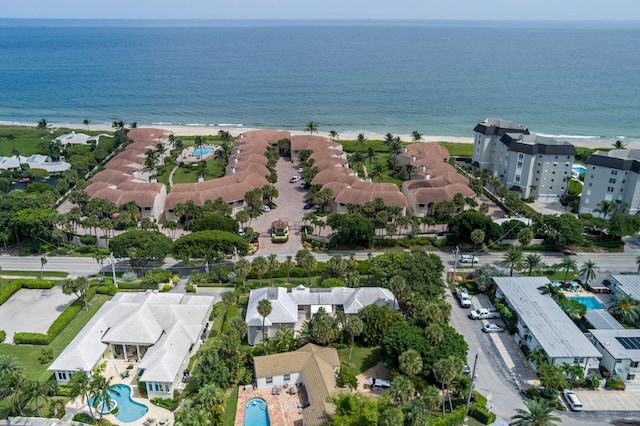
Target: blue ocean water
[(438, 77)]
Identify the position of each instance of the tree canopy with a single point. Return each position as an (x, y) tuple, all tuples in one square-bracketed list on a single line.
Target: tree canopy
[(141, 247), (209, 245)]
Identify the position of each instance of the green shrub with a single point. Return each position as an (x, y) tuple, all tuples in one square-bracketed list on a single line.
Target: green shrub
[(7, 291), (129, 276), (615, 383), (88, 240), (451, 419), (31, 339), (46, 355), (142, 388), (478, 398), (35, 284), (347, 377), (84, 418), (532, 393), (168, 403), (481, 414), (3, 335), (137, 286), (166, 287), (156, 277), (65, 318), (109, 289), (191, 289)]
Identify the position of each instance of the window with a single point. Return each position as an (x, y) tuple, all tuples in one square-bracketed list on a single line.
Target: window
[(590, 184), (588, 192), (578, 360), (593, 168), (517, 178), (614, 172), (555, 163), (258, 328), (553, 173), (157, 387), (610, 189), (539, 164), (612, 180), (520, 156), (556, 157), (269, 380), (147, 209), (287, 377), (565, 172), (591, 176), (536, 179), (586, 201), (150, 386), (519, 163), (567, 164), (552, 180), (550, 188)]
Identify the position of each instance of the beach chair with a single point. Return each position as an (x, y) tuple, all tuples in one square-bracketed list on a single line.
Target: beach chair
[(163, 421)]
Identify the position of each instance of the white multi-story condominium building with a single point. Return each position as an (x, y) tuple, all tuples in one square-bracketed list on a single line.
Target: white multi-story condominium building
[(530, 165), (613, 177), (487, 138)]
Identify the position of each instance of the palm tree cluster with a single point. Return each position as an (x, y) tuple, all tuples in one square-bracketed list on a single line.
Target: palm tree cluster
[(21, 391)]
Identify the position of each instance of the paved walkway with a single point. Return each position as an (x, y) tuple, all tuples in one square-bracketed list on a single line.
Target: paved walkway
[(171, 176)]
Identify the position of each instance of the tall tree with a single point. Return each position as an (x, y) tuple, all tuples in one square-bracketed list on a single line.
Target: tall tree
[(264, 309), (79, 286), (533, 262), (260, 266), (311, 127), (445, 370), (512, 259), (567, 265), (86, 122), (288, 265), (402, 390), (538, 413), (416, 136), (228, 299), (619, 145), (410, 362), (625, 308), (42, 126), (477, 237), (242, 268), (588, 271), (333, 135), (354, 327), (272, 266)]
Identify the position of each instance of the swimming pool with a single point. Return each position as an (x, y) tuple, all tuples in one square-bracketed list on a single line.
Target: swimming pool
[(590, 302), (579, 169), (256, 413), (202, 151), (128, 409)]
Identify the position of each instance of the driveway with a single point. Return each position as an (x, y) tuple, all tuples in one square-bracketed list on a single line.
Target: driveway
[(289, 207), (609, 400)]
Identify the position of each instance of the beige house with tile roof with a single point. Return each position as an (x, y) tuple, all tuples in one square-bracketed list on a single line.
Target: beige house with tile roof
[(314, 367)]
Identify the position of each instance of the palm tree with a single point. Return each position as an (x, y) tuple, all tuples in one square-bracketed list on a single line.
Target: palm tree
[(259, 266), (533, 262), (224, 135), (242, 268), (588, 271), (43, 261), (568, 265), (220, 155), (264, 309), (445, 370), (288, 265), (272, 266), (416, 136), (477, 237), (42, 125), (333, 135), (538, 413), (34, 390), (525, 235), (160, 150), (308, 263), (434, 333), (402, 390), (410, 362), (357, 158), (100, 388), (377, 172), (228, 299), (198, 143), (625, 308), (354, 327), (311, 127), (619, 145), (361, 139), (86, 122), (512, 259), (605, 208), (370, 154)]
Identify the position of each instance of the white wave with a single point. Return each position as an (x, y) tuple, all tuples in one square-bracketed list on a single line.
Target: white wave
[(229, 125), (547, 135), (196, 124)]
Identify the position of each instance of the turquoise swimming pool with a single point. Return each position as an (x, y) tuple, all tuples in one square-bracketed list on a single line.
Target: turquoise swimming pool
[(579, 169), (590, 302), (202, 151), (128, 409), (256, 413)]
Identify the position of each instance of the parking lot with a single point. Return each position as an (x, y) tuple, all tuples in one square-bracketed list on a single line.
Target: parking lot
[(608, 400), (288, 206)]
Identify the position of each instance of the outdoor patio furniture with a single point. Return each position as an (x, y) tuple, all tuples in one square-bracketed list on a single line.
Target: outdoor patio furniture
[(163, 421)]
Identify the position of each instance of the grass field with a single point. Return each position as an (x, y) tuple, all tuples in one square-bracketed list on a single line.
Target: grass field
[(230, 408), (36, 274), (28, 355), (362, 359), (458, 149), (27, 139)]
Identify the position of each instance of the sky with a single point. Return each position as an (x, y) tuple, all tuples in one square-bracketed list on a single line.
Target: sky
[(565, 10)]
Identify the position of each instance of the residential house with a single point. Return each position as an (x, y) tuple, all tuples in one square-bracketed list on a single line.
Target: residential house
[(74, 138), (156, 332), (542, 324), (625, 285), (487, 139), (314, 367), (290, 307), (35, 161), (620, 349), (612, 177)]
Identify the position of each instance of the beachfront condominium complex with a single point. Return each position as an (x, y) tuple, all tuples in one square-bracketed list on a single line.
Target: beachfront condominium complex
[(611, 183), (533, 166)]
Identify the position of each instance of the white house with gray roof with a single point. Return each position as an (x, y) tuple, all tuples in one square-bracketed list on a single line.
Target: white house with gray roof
[(625, 285), (543, 325), (157, 331), (290, 307), (620, 351)]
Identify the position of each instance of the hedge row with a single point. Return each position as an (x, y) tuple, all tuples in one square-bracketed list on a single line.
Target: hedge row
[(137, 286), (452, 419), (14, 285), (3, 335), (481, 414)]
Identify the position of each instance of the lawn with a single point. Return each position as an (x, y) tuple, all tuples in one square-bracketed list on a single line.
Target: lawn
[(458, 149), (575, 187), (230, 408), (188, 174), (27, 139), (28, 355), (362, 359), (353, 145), (57, 274)]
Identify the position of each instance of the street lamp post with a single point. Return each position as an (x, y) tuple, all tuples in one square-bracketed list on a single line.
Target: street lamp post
[(456, 254), (112, 261)]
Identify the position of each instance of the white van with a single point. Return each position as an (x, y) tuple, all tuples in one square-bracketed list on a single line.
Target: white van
[(468, 258), (572, 400)]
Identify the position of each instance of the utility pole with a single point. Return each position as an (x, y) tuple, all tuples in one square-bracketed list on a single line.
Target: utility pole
[(473, 377), (112, 260), (456, 255)]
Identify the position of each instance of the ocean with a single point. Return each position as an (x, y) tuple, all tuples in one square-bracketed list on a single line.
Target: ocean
[(567, 79)]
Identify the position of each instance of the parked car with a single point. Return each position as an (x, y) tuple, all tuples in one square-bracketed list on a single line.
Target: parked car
[(463, 297), (468, 258), (241, 231), (492, 328), (466, 370), (295, 179), (302, 185), (483, 313), (375, 383), (300, 170), (572, 400), (265, 208), (308, 206), (24, 180)]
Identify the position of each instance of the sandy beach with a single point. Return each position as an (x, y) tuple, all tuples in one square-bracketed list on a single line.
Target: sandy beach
[(234, 131)]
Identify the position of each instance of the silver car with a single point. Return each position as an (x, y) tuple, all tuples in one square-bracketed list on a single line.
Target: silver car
[(492, 328)]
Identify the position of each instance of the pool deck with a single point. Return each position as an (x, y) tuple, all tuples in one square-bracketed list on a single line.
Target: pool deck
[(113, 367), (187, 155), (603, 298), (283, 409)]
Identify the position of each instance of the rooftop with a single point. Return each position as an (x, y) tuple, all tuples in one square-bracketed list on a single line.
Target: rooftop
[(628, 284), (614, 341)]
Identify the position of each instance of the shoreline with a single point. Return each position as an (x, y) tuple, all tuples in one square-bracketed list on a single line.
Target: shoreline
[(179, 130)]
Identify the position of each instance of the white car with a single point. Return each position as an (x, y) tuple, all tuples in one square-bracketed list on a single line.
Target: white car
[(302, 184), (467, 258), (492, 328), (375, 383), (295, 179), (265, 208), (483, 313), (300, 170), (572, 400)]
